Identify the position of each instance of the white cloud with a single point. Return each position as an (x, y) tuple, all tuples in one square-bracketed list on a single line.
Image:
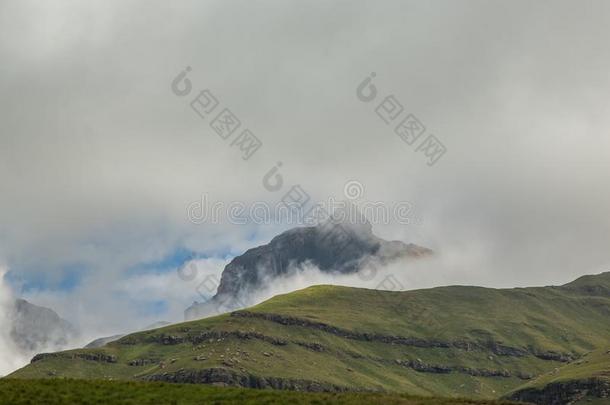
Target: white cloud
[(11, 357), (104, 307)]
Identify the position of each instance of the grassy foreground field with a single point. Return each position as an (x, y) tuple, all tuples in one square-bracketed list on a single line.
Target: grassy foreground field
[(60, 391)]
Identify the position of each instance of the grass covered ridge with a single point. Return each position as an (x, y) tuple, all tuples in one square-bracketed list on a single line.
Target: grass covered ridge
[(584, 381), (592, 365), (448, 341)]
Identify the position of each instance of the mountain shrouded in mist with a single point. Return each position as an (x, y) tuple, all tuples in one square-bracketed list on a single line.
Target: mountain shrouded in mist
[(333, 247), (36, 328), (30, 329)]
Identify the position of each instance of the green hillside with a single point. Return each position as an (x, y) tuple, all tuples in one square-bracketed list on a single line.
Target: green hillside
[(55, 392), (449, 341), (594, 364), (586, 380)]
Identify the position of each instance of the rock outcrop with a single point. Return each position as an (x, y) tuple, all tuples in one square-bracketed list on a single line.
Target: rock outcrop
[(490, 346), (224, 377), (98, 357), (333, 247), (564, 393)]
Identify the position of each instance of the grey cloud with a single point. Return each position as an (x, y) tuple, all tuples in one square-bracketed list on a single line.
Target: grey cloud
[(99, 160)]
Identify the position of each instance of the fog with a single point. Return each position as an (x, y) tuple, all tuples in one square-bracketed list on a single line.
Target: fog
[(100, 159), (10, 356)]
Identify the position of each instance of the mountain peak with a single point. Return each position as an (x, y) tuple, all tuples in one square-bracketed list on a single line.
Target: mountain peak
[(336, 245), (35, 327)]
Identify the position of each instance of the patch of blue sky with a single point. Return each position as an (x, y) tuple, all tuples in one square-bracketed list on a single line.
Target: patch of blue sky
[(174, 260), (69, 278)]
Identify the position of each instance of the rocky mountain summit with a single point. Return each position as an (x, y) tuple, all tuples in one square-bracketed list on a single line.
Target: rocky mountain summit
[(334, 247)]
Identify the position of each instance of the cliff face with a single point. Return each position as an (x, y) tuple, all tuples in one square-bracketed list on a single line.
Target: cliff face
[(333, 248), (36, 328)]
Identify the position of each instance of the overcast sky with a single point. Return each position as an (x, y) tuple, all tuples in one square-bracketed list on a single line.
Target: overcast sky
[(99, 159)]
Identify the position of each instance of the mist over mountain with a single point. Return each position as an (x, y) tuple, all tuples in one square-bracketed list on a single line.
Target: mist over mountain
[(36, 328), (99, 342), (27, 329), (149, 150), (333, 247)]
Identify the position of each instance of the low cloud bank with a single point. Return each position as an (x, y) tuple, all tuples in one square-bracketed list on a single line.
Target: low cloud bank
[(399, 275), (10, 356)]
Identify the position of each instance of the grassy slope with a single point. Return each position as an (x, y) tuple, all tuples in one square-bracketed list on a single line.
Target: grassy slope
[(16, 392), (593, 365), (551, 318)]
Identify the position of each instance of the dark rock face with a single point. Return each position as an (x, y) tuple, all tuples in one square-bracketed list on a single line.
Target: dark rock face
[(98, 357), (224, 377), (212, 335), (563, 393), (348, 334), (423, 367), (142, 362), (37, 328), (562, 357), (339, 248)]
